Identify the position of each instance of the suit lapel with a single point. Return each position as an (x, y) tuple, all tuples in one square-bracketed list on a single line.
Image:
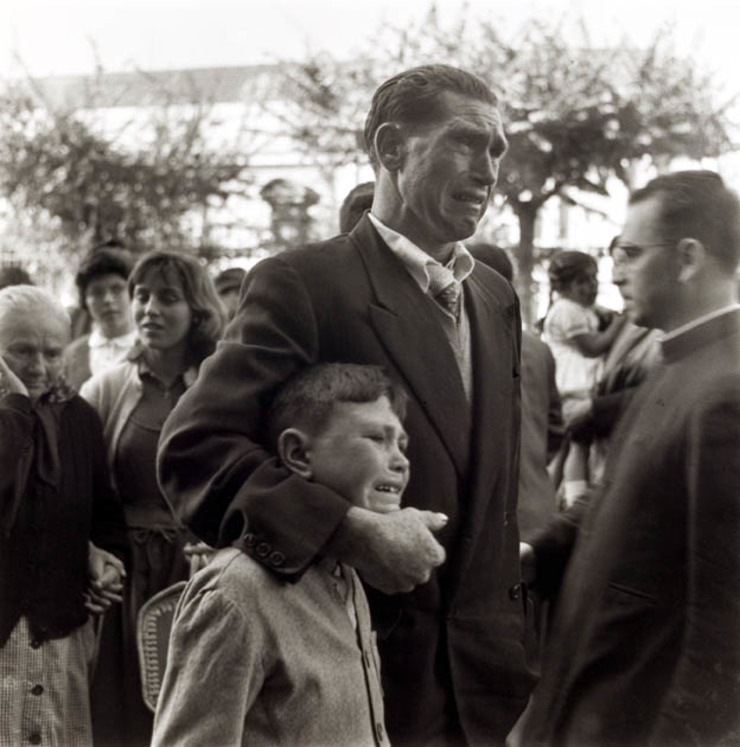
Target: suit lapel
[(406, 323), (496, 420)]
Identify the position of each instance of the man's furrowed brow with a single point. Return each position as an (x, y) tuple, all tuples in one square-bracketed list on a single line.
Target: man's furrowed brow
[(480, 133), (462, 128)]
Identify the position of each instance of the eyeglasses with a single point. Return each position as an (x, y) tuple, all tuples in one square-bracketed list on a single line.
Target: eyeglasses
[(627, 253)]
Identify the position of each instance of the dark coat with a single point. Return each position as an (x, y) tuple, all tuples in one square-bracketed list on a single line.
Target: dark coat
[(645, 648), (455, 643), (45, 523), (542, 435)]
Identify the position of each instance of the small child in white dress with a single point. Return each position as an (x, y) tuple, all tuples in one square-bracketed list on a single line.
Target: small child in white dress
[(572, 331)]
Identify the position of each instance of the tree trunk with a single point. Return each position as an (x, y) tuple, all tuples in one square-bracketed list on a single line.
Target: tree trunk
[(527, 214)]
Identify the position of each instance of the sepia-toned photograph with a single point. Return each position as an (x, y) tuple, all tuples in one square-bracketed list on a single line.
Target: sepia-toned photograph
[(369, 373)]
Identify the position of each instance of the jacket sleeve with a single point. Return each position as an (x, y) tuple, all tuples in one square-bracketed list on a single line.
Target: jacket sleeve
[(213, 464), (209, 687), (553, 547), (702, 704)]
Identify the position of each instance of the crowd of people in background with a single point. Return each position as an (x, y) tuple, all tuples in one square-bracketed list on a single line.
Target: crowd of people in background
[(395, 510)]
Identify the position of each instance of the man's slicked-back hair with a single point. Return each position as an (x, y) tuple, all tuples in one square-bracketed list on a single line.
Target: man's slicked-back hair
[(307, 399), (698, 205), (413, 96)]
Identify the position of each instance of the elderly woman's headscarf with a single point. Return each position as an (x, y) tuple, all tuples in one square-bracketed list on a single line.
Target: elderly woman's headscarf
[(42, 454)]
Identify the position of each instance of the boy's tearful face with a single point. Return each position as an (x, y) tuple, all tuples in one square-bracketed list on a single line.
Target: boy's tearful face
[(361, 454)]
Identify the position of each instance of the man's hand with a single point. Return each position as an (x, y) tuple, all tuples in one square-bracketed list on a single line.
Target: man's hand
[(106, 579), (393, 552)]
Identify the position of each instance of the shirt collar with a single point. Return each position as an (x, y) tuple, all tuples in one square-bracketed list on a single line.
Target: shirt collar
[(703, 319), (461, 262), (98, 340), (136, 355)]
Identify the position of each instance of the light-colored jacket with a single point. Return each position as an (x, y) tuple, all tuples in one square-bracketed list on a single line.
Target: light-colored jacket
[(256, 661), (114, 394)]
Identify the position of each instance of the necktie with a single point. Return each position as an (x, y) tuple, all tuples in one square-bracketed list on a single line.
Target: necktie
[(443, 286)]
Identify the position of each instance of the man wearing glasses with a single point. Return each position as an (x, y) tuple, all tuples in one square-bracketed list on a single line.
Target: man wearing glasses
[(645, 645)]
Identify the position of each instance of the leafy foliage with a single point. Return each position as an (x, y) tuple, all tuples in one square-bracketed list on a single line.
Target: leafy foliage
[(60, 162), (576, 115)]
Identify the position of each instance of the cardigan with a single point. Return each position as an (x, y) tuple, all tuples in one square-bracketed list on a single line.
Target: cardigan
[(44, 548), (114, 395)]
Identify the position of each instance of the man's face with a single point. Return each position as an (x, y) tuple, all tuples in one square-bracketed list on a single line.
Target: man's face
[(360, 454), (33, 347), (449, 168), (646, 267)]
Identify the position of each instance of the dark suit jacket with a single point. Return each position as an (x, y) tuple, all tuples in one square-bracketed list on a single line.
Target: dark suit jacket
[(645, 648), (454, 644), (542, 435)]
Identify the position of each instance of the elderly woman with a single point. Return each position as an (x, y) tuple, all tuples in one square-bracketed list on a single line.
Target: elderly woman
[(178, 318), (55, 501)]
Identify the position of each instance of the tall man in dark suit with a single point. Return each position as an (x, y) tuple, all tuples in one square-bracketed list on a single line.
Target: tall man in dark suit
[(645, 647), (402, 292)]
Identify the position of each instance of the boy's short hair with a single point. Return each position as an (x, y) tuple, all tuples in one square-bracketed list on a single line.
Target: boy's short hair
[(307, 399), (109, 259)]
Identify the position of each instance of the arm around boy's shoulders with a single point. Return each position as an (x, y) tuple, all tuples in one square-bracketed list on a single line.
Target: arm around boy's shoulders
[(217, 424)]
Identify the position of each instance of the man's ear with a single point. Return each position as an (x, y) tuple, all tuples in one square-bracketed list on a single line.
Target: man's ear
[(692, 255), (389, 146), (293, 445)]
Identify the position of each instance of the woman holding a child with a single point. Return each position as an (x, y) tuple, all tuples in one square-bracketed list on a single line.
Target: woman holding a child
[(178, 319)]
